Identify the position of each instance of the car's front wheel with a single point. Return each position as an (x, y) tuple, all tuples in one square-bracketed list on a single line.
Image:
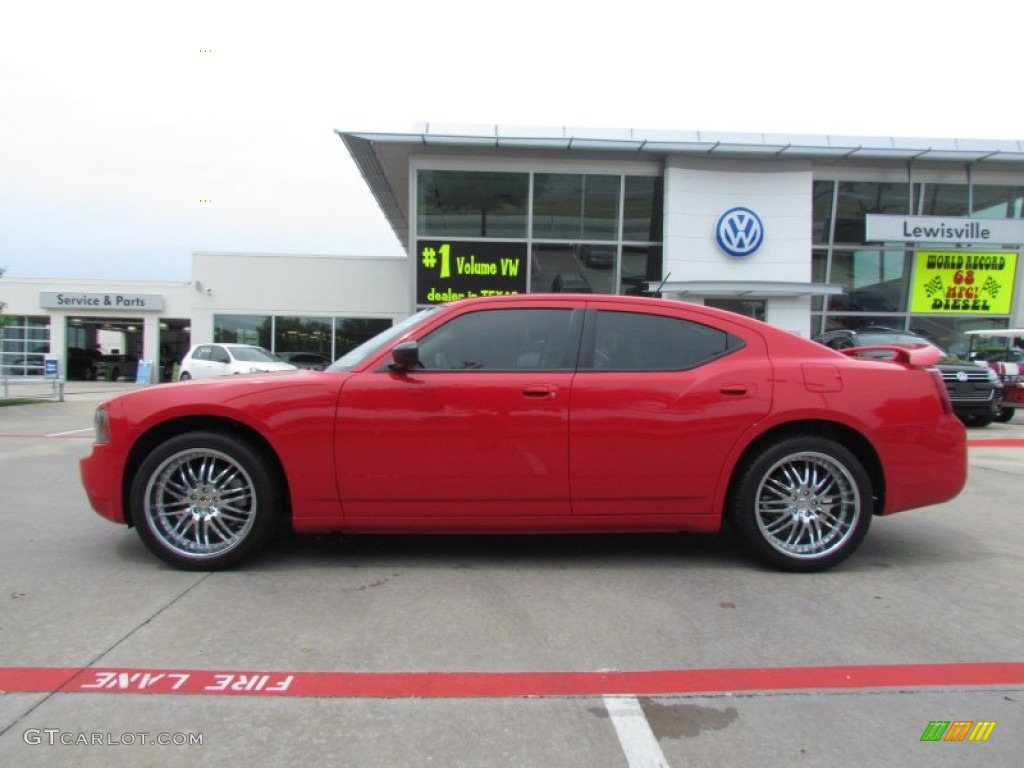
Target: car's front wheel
[(977, 419), (1005, 415), (204, 501), (802, 504)]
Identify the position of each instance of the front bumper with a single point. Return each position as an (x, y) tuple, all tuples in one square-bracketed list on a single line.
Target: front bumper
[(101, 474)]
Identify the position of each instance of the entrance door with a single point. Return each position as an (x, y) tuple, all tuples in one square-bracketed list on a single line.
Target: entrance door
[(175, 341)]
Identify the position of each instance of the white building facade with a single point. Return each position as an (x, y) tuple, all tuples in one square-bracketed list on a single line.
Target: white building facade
[(284, 302)]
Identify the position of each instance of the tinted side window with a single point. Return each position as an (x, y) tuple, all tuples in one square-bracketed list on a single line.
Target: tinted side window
[(501, 340), (202, 353), (219, 355), (628, 341)]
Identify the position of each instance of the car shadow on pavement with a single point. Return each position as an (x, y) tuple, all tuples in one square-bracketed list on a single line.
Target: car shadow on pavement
[(557, 552)]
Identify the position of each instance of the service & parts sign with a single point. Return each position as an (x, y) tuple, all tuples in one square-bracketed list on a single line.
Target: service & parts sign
[(450, 270), (963, 282)]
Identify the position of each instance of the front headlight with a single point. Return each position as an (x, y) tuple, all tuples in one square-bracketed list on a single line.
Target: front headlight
[(101, 425)]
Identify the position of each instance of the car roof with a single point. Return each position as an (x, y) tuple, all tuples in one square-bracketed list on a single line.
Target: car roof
[(226, 344)]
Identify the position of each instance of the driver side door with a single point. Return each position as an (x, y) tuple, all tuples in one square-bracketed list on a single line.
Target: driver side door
[(480, 430)]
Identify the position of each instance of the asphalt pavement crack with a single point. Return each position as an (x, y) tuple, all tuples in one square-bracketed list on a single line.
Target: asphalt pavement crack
[(95, 660)]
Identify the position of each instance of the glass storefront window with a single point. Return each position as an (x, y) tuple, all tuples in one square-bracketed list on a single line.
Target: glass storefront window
[(24, 344), (821, 211), (471, 204), (302, 334), (943, 200), (641, 264), (819, 274), (948, 331), (998, 202), (643, 209), (575, 206), (243, 329), (874, 281), (350, 332), (573, 268), (856, 199), (590, 215)]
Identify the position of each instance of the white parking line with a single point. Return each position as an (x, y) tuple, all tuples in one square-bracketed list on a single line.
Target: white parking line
[(72, 432), (635, 735)]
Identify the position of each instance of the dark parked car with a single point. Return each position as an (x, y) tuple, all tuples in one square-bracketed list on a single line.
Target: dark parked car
[(82, 363), (974, 390), (570, 282), (596, 256)]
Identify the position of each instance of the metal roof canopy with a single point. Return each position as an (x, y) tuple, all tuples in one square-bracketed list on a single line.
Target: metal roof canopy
[(382, 158)]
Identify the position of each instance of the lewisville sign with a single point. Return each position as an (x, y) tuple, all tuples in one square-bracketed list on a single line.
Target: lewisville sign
[(886, 228)]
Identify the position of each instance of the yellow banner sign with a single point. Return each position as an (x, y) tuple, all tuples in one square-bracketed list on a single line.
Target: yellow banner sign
[(963, 282)]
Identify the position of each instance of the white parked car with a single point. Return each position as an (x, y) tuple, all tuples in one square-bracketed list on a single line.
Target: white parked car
[(205, 361)]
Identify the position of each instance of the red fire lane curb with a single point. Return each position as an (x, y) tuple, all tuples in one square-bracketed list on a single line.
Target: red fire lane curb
[(1006, 442), (457, 685)]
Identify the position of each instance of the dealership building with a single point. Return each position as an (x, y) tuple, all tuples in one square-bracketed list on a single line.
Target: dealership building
[(808, 233)]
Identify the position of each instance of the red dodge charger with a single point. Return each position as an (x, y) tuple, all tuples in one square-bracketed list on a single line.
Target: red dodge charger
[(539, 414)]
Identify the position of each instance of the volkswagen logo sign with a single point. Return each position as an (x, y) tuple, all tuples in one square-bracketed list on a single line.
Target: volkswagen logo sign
[(739, 231), (962, 376)]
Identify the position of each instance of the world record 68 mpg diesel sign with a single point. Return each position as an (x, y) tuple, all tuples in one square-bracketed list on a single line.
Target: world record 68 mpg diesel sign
[(963, 281), (450, 270)]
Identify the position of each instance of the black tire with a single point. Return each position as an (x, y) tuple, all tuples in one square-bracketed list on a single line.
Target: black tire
[(206, 501), (780, 510), (977, 419), (1005, 414), (184, 376)]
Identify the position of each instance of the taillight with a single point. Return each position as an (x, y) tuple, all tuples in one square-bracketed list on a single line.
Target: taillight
[(940, 386)]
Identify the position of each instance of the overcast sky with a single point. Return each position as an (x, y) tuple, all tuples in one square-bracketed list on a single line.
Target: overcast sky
[(119, 120)]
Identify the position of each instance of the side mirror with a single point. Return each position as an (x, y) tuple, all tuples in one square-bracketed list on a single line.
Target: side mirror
[(406, 356)]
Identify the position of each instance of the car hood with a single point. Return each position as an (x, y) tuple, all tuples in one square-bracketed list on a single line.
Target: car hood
[(957, 365)]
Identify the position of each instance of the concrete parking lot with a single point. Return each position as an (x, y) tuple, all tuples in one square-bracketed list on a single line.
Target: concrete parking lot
[(526, 651)]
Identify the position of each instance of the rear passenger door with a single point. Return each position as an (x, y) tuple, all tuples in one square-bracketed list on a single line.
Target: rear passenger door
[(657, 403)]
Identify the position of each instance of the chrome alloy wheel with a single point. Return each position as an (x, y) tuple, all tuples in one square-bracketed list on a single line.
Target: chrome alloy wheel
[(200, 503), (807, 505)]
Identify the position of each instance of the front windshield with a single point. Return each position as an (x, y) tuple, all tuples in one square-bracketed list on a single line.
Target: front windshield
[(351, 359), (254, 355)]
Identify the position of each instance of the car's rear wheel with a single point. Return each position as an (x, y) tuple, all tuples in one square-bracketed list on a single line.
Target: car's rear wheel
[(1005, 414), (802, 504), (204, 501), (184, 376)]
